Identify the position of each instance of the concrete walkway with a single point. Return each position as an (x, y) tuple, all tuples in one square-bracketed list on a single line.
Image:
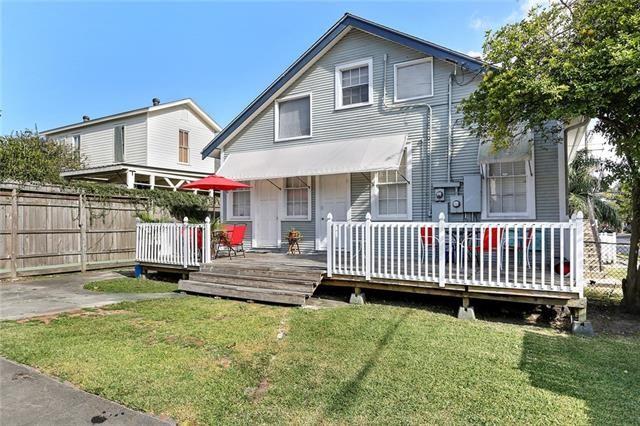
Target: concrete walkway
[(28, 397), (60, 293)]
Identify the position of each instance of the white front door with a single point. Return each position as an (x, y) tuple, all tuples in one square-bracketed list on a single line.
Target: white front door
[(266, 223), (333, 197)]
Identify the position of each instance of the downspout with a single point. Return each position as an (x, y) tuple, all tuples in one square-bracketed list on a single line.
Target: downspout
[(449, 125), (426, 140)]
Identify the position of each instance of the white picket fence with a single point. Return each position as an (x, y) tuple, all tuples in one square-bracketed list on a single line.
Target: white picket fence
[(515, 255), (181, 244)]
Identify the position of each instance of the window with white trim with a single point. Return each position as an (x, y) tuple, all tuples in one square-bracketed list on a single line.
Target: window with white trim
[(293, 117), (240, 204), (509, 189), (297, 198), (76, 144), (413, 80), (391, 197), (353, 84)]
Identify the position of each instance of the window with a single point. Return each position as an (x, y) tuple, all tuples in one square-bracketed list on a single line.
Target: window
[(183, 146), (240, 204), (76, 144), (353, 84), (118, 144), (297, 198), (392, 191), (413, 80), (509, 189), (293, 117)]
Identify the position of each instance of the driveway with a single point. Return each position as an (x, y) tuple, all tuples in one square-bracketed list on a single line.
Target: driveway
[(28, 397), (60, 293)]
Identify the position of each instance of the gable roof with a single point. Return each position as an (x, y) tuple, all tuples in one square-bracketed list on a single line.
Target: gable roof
[(188, 101), (347, 22)]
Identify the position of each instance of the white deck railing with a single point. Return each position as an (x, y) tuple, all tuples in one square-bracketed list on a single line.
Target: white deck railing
[(181, 244), (514, 255)]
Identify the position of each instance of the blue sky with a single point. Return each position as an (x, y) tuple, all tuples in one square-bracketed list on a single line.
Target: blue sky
[(62, 60)]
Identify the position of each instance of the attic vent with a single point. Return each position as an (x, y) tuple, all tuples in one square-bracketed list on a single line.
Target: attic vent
[(155, 101), (86, 118)]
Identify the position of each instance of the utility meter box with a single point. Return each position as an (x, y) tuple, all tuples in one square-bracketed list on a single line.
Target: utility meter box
[(472, 202), (436, 209), (455, 204)]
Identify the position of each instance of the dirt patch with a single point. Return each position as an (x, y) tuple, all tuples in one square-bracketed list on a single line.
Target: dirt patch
[(257, 393), (613, 320), (46, 319), (186, 341)]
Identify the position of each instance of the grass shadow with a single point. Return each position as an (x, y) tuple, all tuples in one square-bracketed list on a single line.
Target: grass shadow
[(604, 373), (344, 399)]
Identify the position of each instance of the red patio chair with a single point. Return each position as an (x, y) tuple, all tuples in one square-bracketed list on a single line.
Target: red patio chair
[(232, 239), (491, 241), (428, 239)]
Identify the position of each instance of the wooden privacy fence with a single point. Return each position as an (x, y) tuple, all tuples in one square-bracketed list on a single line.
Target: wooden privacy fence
[(46, 229)]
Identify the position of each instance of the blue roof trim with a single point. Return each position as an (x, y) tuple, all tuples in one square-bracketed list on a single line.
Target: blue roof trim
[(346, 21)]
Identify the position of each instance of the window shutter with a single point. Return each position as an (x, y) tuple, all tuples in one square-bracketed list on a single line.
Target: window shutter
[(118, 153)]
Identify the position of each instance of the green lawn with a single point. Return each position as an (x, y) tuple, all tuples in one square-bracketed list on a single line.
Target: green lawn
[(131, 285), (203, 360)]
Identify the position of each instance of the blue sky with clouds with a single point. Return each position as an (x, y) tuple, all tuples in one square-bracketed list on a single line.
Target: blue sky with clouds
[(62, 60)]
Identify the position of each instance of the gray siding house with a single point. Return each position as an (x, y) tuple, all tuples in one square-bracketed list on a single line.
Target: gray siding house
[(366, 121)]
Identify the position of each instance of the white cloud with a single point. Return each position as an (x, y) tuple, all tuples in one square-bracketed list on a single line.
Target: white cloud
[(479, 24)]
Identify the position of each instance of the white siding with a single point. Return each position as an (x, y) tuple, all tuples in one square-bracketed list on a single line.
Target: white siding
[(96, 142), (163, 128)]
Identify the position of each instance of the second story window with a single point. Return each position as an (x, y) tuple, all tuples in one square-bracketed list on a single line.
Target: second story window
[(76, 144), (183, 147), (118, 144), (293, 117), (353, 84), (413, 80)]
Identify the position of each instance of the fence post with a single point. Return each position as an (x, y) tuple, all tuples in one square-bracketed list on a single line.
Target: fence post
[(329, 245), (367, 247), (206, 250), (185, 241), (441, 250), (83, 232), (14, 234), (579, 252)]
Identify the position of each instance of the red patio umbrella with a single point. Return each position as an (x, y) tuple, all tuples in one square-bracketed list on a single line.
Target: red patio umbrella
[(216, 183)]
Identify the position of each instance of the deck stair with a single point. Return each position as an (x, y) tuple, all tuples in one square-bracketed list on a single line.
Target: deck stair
[(262, 281)]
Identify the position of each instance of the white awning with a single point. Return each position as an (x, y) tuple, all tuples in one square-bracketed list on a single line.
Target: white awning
[(314, 159), (518, 150)]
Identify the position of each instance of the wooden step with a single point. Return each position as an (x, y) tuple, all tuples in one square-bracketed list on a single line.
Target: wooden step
[(306, 287), (284, 273), (247, 293), (283, 266)]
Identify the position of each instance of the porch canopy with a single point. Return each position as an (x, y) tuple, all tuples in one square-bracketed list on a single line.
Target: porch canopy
[(518, 150), (315, 159)]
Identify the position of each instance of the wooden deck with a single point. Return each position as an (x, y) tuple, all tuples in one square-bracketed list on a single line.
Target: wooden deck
[(292, 279), (265, 277)]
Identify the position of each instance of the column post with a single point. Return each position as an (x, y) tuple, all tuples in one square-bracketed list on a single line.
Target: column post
[(185, 241), (441, 250), (368, 244), (329, 245)]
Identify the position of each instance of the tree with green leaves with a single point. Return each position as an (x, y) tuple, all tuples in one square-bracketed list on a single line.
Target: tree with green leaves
[(25, 157), (571, 59)]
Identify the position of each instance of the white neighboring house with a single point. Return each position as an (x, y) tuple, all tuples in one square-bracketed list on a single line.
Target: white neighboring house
[(152, 147)]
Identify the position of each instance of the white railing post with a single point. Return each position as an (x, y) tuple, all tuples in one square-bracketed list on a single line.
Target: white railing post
[(138, 242), (367, 247), (185, 241), (441, 250), (579, 253), (206, 241), (329, 245)]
